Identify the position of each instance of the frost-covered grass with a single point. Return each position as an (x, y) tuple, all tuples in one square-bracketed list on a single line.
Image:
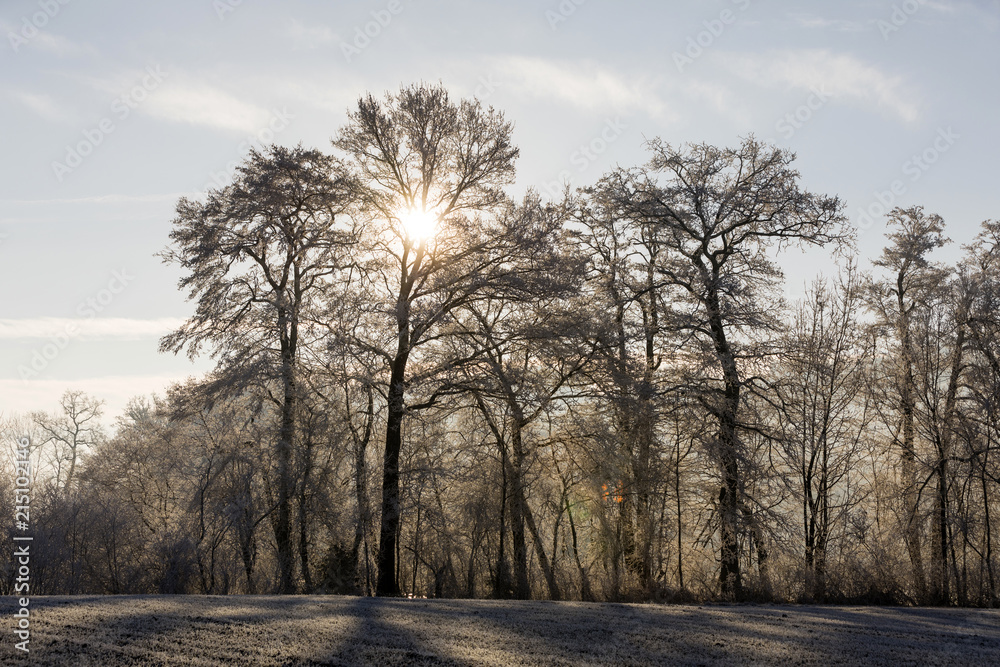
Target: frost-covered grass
[(259, 630)]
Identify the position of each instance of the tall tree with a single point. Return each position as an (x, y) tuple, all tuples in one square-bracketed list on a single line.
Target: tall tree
[(258, 254), (910, 281), (940, 334), (980, 419), (623, 254), (718, 211), (433, 170)]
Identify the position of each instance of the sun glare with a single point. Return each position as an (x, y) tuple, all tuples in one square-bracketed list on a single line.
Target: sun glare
[(418, 224)]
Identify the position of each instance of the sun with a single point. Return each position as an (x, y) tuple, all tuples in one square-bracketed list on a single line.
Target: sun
[(419, 224)]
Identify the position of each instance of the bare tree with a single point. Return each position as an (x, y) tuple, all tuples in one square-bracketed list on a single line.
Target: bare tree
[(258, 253), (826, 413), (897, 300), (979, 419), (433, 171), (528, 345), (70, 434), (624, 252), (718, 211)]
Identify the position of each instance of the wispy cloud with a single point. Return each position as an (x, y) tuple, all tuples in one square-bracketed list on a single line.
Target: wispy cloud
[(49, 42), (717, 96), (101, 199), (58, 45), (309, 37), (45, 106), (841, 75), (585, 85), (99, 328), (840, 25), (319, 95), (951, 7), (202, 104)]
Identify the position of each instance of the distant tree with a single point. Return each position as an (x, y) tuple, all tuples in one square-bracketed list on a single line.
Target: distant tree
[(70, 434), (717, 210), (258, 255), (825, 413)]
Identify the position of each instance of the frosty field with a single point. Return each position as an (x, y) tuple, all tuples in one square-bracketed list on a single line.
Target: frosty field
[(259, 630)]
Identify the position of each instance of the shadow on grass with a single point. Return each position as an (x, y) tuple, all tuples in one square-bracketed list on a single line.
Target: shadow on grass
[(377, 639), (287, 631)]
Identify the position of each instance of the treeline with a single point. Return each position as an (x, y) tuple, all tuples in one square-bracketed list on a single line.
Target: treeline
[(426, 388)]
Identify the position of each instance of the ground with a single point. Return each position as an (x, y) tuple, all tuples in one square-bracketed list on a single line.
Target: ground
[(261, 630)]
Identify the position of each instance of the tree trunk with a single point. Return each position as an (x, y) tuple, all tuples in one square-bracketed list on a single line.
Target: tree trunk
[(388, 534), (543, 561), (643, 554), (304, 517), (763, 563), (908, 458), (942, 542), (988, 533), (361, 486), (388, 545), (522, 587), (678, 503), (501, 579), (283, 527), (730, 577), (823, 531), (585, 592)]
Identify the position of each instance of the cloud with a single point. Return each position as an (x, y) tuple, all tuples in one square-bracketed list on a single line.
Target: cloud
[(336, 99), (44, 40), (44, 106), (720, 98), (309, 37), (947, 8), (202, 104), (583, 85), (840, 75), (60, 46), (102, 199), (839, 25), (100, 328)]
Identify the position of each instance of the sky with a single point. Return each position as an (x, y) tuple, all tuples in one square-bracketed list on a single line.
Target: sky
[(114, 109)]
